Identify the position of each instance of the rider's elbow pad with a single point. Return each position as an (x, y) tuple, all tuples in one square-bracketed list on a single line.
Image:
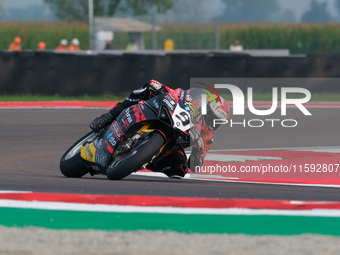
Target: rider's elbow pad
[(115, 111)]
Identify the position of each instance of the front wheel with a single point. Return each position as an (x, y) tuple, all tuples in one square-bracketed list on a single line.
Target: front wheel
[(139, 155), (70, 162)]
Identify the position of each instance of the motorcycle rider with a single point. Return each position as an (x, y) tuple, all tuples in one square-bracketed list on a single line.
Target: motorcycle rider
[(202, 133)]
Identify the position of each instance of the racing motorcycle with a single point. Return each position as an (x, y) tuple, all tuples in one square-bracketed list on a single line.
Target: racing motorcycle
[(141, 135)]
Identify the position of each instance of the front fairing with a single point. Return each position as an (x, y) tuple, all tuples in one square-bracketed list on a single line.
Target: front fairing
[(185, 110)]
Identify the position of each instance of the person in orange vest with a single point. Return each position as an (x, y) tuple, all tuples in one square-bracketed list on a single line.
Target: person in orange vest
[(41, 46), (74, 46), (62, 45), (15, 45)]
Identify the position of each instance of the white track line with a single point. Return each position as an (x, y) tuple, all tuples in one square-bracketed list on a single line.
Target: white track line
[(13, 191), (164, 210)]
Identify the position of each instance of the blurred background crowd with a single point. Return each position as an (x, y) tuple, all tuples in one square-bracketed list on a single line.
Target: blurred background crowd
[(63, 45), (303, 26)]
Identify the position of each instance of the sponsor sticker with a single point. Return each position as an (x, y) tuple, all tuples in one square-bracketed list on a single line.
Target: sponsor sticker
[(170, 105)]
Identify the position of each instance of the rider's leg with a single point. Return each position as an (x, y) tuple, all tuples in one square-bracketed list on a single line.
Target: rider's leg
[(134, 98), (107, 118)]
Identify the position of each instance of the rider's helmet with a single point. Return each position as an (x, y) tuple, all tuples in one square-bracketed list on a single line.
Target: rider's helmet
[(217, 108)]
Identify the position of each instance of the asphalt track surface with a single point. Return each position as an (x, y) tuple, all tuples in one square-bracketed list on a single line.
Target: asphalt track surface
[(33, 140)]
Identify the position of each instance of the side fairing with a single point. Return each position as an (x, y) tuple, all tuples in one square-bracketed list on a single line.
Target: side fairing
[(128, 118)]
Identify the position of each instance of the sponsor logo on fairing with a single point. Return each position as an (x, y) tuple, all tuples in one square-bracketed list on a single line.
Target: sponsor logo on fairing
[(112, 141), (128, 116), (117, 131), (155, 103), (170, 98), (170, 105)]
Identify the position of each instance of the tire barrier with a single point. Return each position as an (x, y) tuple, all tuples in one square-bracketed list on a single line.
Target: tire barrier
[(69, 74)]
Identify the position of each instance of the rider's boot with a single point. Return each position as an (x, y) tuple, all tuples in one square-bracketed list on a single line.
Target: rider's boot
[(107, 118)]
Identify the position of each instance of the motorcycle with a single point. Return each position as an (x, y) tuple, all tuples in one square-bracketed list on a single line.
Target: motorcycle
[(141, 135)]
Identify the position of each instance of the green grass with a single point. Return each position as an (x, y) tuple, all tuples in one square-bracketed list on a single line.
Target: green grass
[(183, 223), (256, 97)]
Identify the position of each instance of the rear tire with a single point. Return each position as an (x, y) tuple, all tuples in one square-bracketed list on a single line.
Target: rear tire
[(134, 160), (70, 163)]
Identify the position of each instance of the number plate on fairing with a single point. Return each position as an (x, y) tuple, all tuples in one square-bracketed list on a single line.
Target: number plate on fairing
[(181, 118)]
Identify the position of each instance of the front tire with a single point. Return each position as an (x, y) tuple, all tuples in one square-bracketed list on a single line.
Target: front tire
[(70, 163), (136, 158)]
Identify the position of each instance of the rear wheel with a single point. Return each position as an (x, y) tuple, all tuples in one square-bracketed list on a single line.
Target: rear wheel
[(70, 163), (126, 164)]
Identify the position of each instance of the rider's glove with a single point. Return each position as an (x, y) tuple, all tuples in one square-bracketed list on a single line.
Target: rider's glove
[(196, 157), (154, 86), (101, 122)]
